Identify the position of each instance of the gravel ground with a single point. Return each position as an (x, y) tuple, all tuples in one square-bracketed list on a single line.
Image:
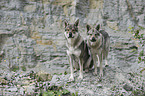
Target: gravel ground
[(122, 77)]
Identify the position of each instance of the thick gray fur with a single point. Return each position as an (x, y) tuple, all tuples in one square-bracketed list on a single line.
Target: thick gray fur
[(78, 53), (98, 41)]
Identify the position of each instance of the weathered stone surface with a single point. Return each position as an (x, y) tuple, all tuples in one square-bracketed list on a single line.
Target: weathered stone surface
[(12, 89), (127, 87), (31, 37), (99, 86), (112, 25)]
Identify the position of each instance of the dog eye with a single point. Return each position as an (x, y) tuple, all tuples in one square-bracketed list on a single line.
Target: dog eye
[(97, 34), (73, 30), (66, 29), (90, 34)]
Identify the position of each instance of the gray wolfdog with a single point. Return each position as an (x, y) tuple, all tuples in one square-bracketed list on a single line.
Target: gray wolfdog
[(78, 53), (98, 42)]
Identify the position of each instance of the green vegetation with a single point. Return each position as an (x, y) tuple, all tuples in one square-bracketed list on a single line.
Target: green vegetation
[(138, 36), (23, 68), (14, 68), (56, 91), (138, 92)]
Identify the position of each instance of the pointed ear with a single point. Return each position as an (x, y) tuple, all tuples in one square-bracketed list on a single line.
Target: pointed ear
[(65, 23), (88, 27), (77, 23), (98, 27)]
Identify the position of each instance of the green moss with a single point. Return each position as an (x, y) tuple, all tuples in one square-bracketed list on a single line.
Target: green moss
[(56, 91), (57, 74), (65, 73), (23, 68), (75, 94), (14, 68)]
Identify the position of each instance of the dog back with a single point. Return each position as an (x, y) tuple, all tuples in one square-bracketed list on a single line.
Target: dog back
[(106, 39)]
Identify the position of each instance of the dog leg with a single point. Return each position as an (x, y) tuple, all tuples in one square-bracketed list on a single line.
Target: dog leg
[(98, 61), (88, 64), (75, 66), (95, 65), (81, 69), (71, 67), (101, 67), (106, 62)]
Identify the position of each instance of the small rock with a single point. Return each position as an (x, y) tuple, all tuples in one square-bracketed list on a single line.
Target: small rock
[(42, 76), (25, 82), (1, 53), (123, 91), (99, 86), (13, 89), (128, 87), (29, 89), (3, 81), (59, 83), (54, 80), (22, 91), (8, 76)]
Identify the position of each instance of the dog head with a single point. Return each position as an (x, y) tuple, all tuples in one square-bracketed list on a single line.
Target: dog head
[(93, 34), (71, 30)]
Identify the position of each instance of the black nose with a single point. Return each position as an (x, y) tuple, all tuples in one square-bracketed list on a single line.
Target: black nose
[(70, 34), (93, 39)]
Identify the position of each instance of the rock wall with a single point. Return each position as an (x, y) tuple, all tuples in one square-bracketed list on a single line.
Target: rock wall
[(31, 31)]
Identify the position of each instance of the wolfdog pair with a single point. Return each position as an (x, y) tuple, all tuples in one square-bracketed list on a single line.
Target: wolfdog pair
[(83, 55)]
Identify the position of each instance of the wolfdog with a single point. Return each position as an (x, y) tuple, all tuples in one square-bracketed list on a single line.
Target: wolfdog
[(78, 53), (98, 41)]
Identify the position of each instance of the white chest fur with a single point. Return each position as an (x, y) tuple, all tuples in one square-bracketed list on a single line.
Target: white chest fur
[(73, 51), (95, 51)]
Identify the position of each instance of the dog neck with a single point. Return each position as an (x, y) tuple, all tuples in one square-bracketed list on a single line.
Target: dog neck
[(96, 45), (74, 43)]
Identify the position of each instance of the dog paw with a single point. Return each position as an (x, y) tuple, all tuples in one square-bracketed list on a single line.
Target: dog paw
[(106, 65), (86, 70), (95, 72), (101, 73), (80, 77), (75, 70), (71, 78)]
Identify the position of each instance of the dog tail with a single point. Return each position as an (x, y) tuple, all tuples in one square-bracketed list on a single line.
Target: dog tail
[(108, 43)]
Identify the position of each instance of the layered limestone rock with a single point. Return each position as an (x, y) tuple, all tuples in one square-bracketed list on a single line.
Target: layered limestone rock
[(31, 31)]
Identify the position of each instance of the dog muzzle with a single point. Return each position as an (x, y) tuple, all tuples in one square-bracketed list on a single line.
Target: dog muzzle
[(70, 35), (93, 39)]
